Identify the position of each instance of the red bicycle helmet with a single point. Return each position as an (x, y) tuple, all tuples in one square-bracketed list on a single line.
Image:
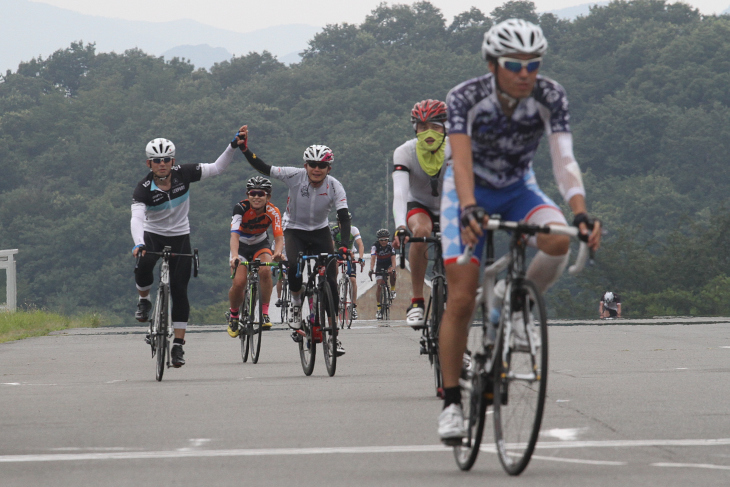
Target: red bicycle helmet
[(429, 111)]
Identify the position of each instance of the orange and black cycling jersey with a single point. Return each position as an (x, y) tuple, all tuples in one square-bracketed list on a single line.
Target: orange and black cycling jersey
[(251, 227)]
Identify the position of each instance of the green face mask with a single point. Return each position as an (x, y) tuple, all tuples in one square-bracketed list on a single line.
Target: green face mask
[(430, 161)]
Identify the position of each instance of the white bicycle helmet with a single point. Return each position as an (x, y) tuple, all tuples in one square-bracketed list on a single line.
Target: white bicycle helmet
[(513, 36), (160, 148), (318, 153), (608, 297)]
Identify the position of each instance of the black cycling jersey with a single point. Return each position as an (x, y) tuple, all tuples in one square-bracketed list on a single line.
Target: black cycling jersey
[(383, 254)]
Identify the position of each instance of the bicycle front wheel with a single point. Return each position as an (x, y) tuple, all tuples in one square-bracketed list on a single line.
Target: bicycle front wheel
[(384, 301), (437, 310), (284, 302), (256, 322), (307, 346), (343, 291), (328, 324), (160, 330), (243, 328), (520, 374)]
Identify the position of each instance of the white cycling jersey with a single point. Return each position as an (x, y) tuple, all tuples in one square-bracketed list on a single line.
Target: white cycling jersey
[(307, 207), (411, 183), (166, 212)]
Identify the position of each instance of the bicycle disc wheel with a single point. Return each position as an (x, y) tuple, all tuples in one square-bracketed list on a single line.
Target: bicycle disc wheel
[(520, 389), (474, 405), (256, 323), (160, 338), (437, 310), (327, 320), (307, 347), (243, 328)]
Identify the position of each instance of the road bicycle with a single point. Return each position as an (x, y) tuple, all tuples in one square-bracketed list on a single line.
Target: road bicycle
[(285, 297), (435, 308), (345, 293), (160, 329), (506, 366), (318, 313), (386, 297), (251, 321)]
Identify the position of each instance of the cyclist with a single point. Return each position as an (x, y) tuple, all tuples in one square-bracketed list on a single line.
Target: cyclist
[(250, 241), (160, 206), (495, 124), (355, 245), (312, 194), (610, 306), (383, 254), (418, 176)]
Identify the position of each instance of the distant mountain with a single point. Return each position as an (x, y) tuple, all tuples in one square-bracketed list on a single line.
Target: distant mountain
[(31, 29), (202, 55), (726, 11), (570, 13)]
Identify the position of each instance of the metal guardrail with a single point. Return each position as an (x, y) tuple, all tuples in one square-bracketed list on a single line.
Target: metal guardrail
[(7, 262)]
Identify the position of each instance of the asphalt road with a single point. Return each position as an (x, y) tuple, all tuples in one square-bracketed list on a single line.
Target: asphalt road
[(627, 405)]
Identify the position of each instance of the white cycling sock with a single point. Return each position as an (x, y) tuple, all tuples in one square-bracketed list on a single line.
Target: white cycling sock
[(546, 269)]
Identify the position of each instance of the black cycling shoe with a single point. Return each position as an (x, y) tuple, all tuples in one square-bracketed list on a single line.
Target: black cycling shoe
[(143, 310), (296, 337), (177, 355), (148, 339)]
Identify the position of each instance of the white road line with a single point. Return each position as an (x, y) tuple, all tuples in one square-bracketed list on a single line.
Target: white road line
[(576, 460), (138, 455), (692, 465)]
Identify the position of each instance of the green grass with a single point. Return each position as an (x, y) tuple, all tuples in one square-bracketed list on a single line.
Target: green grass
[(25, 324)]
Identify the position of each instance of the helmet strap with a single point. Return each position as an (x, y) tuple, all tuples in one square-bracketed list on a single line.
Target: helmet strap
[(502, 95)]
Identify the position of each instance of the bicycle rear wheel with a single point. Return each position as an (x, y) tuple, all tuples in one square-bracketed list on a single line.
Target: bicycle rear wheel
[(243, 327), (307, 347), (474, 404), (437, 310), (327, 319), (520, 377), (256, 321)]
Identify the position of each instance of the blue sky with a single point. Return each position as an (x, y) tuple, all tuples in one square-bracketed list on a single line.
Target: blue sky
[(246, 16)]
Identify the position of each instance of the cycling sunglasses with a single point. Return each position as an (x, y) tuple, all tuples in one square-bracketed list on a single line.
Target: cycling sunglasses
[(317, 164), (254, 192), (158, 160), (383, 239), (516, 65)]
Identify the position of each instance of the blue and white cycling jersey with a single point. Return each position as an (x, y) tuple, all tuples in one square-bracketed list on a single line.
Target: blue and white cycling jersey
[(503, 147)]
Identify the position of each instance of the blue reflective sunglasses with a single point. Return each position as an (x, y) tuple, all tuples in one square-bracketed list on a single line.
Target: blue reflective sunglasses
[(516, 65)]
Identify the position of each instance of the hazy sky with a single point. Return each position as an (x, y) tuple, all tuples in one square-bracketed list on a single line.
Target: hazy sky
[(250, 15)]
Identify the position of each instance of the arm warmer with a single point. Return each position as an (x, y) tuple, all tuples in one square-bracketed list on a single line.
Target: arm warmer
[(401, 180), (565, 167), (139, 212), (343, 216), (257, 163), (220, 165)]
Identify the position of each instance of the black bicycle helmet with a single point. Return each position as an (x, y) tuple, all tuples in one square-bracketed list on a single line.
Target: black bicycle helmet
[(259, 182), (383, 233)]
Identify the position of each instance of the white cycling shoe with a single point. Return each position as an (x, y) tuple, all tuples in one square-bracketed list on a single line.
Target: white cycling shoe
[(414, 315), (295, 320), (451, 425)]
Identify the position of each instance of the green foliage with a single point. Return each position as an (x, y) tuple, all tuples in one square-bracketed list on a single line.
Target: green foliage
[(24, 324), (648, 84)]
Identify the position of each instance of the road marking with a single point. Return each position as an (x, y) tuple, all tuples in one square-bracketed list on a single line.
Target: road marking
[(565, 434), (188, 453), (577, 460), (692, 465)]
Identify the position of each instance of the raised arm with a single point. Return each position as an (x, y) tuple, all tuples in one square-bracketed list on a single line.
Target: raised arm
[(252, 158)]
